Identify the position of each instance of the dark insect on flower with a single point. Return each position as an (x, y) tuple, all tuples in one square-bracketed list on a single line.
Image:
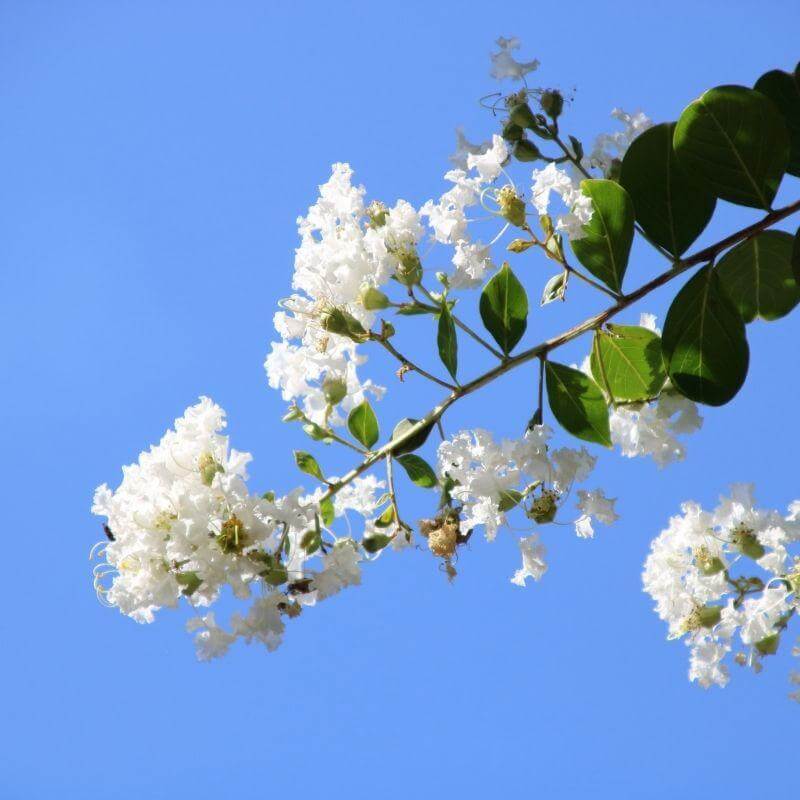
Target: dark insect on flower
[(109, 534)]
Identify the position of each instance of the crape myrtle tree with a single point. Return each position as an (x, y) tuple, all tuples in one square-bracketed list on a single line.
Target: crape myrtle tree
[(183, 523)]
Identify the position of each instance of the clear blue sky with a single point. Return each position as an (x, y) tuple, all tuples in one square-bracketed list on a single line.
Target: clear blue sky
[(153, 159)]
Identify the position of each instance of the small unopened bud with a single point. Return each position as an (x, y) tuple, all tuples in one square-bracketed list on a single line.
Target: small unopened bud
[(614, 170), (526, 150), (512, 207), (543, 508), (377, 212), (522, 115), (334, 389), (512, 132), (373, 299), (520, 245), (706, 563), (208, 467), (768, 646), (409, 272), (552, 102), (443, 279), (337, 320)]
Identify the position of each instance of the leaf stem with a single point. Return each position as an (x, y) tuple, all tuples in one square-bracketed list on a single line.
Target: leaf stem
[(408, 364)]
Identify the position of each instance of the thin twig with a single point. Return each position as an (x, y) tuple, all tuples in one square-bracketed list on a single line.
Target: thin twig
[(411, 365)]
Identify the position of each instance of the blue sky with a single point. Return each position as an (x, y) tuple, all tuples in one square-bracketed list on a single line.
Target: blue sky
[(154, 158)]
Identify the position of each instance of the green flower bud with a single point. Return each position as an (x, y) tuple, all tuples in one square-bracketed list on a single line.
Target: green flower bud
[(552, 102), (375, 542), (512, 207), (706, 563), (334, 389), (615, 170), (337, 320), (377, 213), (522, 115), (512, 132), (409, 272), (708, 616), (526, 150), (208, 467), (520, 245), (373, 299)]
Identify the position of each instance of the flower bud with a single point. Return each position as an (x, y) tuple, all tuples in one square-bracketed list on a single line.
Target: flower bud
[(377, 213), (522, 115), (747, 543), (208, 467), (512, 132), (512, 207), (526, 150), (409, 272), (334, 388), (552, 102), (373, 299), (337, 320), (768, 646)]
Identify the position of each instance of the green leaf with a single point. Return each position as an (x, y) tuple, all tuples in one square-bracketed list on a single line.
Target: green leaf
[(626, 361), (504, 308), (704, 343), (308, 464), (555, 288), (363, 424), (386, 518), (783, 89), (447, 341), (415, 442), (734, 141), (509, 498), (326, 511), (605, 248), (577, 403), (419, 471), (757, 276), (376, 542), (670, 208)]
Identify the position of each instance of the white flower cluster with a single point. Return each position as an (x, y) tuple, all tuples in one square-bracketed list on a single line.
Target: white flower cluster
[(504, 65), (700, 574), (490, 478), (183, 524)]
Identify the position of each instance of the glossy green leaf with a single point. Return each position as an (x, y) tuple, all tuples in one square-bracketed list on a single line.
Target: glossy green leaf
[(386, 518), (308, 464), (783, 89), (626, 361), (504, 308), (376, 542), (311, 541), (509, 498), (415, 442), (670, 208), (577, 403), (734, 142), (418, 470), (757, 276), (447, 342), (704, 343), (363, 424), (605, 248)]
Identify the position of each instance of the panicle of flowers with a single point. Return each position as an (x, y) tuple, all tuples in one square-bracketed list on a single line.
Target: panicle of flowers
[(183, 524), (715, 575), (564, 183), (487, 479)]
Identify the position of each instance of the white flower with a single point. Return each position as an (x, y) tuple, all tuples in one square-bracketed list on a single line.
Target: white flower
[(504, 65), (594, 504), (341, 569), (465, 148), (472, 262), (609, 147), (489, 164), (533, 563)]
